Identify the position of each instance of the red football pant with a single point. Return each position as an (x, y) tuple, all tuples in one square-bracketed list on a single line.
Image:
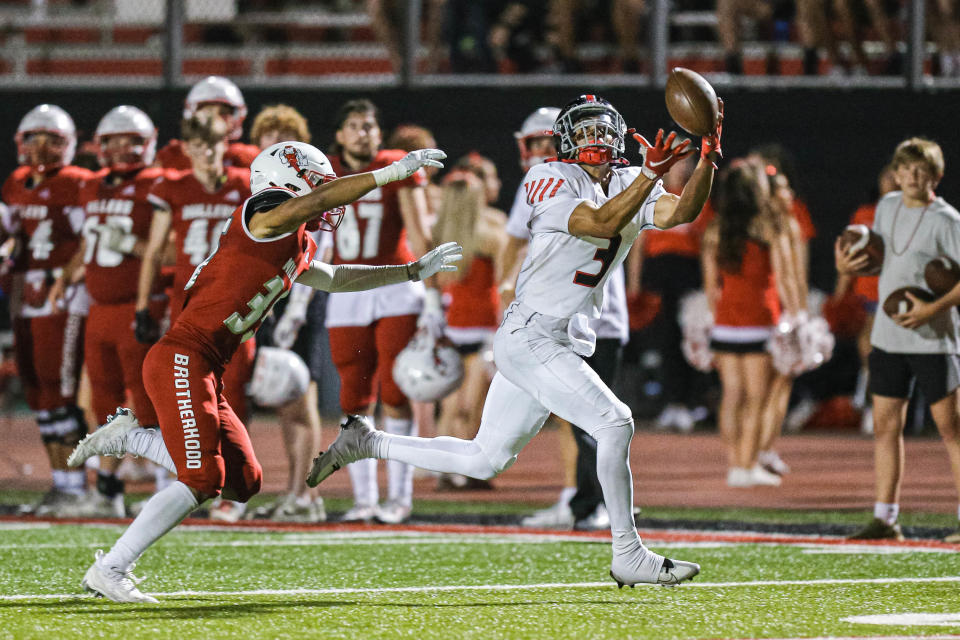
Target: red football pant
[(114, 360), (48, 352), (209, 445), (363, 355)]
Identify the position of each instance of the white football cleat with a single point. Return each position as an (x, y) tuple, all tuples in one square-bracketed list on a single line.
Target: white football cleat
[(96, 505), (108, 440), (228, 511), (114, 584), (630, 569), (360, 513), (354, 442), (559, 516), (393, 512)]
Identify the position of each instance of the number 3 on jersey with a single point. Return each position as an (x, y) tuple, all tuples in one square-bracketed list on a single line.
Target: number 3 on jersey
[(354, 243), (605, 258)]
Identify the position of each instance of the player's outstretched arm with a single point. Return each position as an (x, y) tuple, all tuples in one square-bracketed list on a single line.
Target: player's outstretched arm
[(288, 216), (359, 277), (671, 210)]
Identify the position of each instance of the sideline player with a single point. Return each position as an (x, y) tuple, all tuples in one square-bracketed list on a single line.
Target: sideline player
[(44, 218), (369, 329), (215, 95), (114, 234), (264, 248), (587, 211), (921, 346)]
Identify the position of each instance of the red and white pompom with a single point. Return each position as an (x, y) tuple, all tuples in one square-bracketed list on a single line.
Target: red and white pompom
[(800, 343)]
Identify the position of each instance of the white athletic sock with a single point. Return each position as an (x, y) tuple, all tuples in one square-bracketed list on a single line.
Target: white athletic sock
[(162, 512), (566, 495), (148, 443), (399, 474), (72, 482), (442, 454), (887, 512), (958, 512), (616, 481)]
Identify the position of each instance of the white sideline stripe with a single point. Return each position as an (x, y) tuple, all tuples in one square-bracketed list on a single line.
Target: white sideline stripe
[(497, 587)]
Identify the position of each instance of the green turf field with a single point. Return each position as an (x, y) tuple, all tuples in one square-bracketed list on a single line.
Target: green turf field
[(469, 582)]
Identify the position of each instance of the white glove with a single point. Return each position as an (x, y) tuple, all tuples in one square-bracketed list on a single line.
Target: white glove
[(408, 165), (117, 239), (435, 260), (431, 318), (293, 318)]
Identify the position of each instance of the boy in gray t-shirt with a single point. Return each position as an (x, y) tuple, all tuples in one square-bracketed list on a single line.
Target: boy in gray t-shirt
[(922, 345)]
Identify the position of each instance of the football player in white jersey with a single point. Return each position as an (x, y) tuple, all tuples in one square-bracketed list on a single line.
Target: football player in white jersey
[(588, 208)]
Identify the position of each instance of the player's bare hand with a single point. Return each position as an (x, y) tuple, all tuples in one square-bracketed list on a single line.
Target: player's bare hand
[(662, 154), (408, 165), (845, 262), (439, 259), (920, 313), (58, 291)]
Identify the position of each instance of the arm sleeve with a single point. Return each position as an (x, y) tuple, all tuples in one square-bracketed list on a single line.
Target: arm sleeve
[(352, 277), (519, 216)]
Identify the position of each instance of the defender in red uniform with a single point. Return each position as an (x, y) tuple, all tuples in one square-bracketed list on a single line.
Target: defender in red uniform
[(44, 219), (115, 231), (263, 249), (369, 329), (217, 96)]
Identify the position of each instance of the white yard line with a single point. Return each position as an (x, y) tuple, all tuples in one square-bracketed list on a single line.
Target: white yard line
[(500, 587)]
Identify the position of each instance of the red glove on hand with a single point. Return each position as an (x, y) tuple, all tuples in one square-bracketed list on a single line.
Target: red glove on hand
[(661, 155), (710, 145)]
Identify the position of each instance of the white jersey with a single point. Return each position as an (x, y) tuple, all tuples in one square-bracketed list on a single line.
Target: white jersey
[(564, 275)]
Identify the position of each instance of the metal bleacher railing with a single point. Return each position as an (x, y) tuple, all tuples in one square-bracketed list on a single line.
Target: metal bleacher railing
[(153, 43)]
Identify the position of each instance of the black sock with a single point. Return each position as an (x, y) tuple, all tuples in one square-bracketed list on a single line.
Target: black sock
[(109, 484)]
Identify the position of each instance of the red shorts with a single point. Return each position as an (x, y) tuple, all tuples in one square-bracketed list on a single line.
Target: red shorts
[(209, 445), (365, 354), (114, 360), (49, 351)]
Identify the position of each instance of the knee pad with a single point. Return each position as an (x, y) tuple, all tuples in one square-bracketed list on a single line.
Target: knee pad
[(613, 433)]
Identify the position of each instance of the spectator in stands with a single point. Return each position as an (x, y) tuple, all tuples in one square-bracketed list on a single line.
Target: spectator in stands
[(746, 259), (729, 15), (624, 16), (945, 28), (864, 288), (297, 324), (473, 310), (516, 36), (917, 347), (668, 264), (817, 29)]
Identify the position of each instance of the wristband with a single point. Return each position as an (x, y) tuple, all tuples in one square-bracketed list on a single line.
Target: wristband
[(385, 175), (648, 173)]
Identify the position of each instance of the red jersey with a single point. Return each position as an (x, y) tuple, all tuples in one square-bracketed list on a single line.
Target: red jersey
[(172, 156), (234, 288), (47, 216), (111, 276), (748, 298), (198, 215), (372, 230), (866, 286), (474, 301)]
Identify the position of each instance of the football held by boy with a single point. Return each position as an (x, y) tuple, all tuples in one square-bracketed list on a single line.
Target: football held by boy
[(587, 211), (264, 248)]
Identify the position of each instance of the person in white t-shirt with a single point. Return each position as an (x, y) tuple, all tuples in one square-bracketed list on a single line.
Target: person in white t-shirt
[(918, 347), (588, 208)]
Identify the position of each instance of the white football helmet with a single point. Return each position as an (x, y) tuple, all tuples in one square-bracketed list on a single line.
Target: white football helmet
[(427, 370), (126, 120), (279, 376), (219, 90), (538, 124), (47, 118), (295, 166)]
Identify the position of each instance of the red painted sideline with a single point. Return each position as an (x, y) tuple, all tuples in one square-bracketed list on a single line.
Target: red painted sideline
[(663, 535)]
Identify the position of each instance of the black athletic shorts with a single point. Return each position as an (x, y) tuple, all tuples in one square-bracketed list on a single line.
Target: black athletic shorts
[(892, 375)]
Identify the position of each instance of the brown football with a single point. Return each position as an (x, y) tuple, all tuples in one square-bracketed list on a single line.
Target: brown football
[(897, 302), (941, 274), (859, 239), (692, 102)]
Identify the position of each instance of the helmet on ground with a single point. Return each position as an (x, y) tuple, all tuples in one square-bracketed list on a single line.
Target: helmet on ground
[(50, 119), (130, 121), (279, 376), (538, 124), (297, 167), (591, 131), (218, 90), (427, 370)]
